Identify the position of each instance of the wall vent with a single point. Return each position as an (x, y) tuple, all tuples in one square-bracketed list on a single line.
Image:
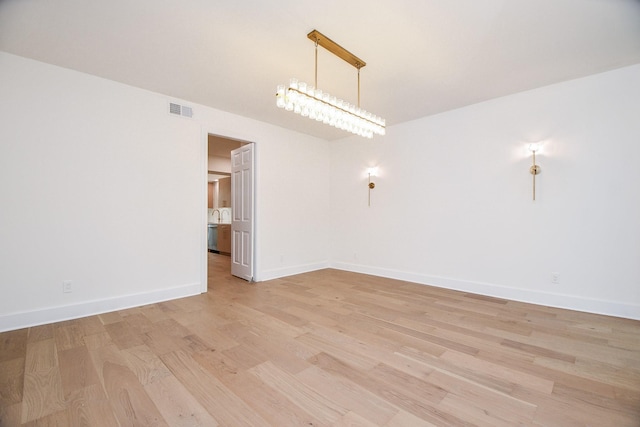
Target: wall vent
[(187, 111), (180, 110)]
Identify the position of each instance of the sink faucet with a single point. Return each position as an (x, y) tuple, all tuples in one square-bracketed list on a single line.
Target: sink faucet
[(214, 211), (222, 214)]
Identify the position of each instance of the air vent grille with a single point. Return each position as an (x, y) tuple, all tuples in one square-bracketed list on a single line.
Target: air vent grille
[(187, 111), (174, 108), (180, 110)]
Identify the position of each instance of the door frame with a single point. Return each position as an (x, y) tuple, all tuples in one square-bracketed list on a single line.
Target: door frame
[(204, 167)]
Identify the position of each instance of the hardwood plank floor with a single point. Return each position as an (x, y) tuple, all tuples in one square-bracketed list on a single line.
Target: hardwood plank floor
[(327, 348)]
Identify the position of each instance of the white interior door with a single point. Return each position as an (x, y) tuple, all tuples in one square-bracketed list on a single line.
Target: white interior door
[(242, 203)]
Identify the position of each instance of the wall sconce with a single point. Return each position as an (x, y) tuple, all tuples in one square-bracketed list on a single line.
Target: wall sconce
[(372, 185), (534, 169)]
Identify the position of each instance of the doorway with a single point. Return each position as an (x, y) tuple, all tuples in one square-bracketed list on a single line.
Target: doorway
[(220, 207)]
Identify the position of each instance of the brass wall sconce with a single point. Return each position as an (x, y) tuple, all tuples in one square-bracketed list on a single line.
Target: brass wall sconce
[(371, 172), (534, 169)]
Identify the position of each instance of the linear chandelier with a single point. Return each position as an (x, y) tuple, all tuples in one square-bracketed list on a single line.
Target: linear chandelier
[(311, 102)]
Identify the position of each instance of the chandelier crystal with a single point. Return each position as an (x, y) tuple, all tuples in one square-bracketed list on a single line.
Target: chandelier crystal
[(311, 102)]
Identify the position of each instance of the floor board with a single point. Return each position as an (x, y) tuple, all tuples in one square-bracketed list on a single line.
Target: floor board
[(326, 348)]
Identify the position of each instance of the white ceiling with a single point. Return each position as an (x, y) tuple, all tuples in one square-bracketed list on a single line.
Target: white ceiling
[(423, 56)]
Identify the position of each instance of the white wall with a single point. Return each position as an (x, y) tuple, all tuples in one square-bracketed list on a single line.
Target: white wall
[(101, 186), (293, 201), (453, 206)]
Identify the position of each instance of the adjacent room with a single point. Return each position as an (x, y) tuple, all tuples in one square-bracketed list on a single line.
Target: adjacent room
[(391, 213)]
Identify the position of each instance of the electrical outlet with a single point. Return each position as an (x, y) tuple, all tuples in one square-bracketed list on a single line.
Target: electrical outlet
[(555, 278), (66, 286)]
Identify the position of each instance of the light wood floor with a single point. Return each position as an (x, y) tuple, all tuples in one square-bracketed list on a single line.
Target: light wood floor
[(324, 348)]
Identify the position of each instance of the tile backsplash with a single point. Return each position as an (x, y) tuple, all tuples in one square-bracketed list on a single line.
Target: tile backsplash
[(219, 216)]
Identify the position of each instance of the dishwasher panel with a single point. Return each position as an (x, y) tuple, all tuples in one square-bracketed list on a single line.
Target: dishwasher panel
[(212, 237)]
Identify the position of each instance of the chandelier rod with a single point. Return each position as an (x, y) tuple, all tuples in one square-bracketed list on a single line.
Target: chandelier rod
[(316, 81), (358, 87)]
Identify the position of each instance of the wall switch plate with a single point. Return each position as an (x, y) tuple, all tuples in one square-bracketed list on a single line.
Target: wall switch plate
[(66, 286)]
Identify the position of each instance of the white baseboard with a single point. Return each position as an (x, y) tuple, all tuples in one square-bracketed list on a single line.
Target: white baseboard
[(570, 302), (13, 321), (277, 273)]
